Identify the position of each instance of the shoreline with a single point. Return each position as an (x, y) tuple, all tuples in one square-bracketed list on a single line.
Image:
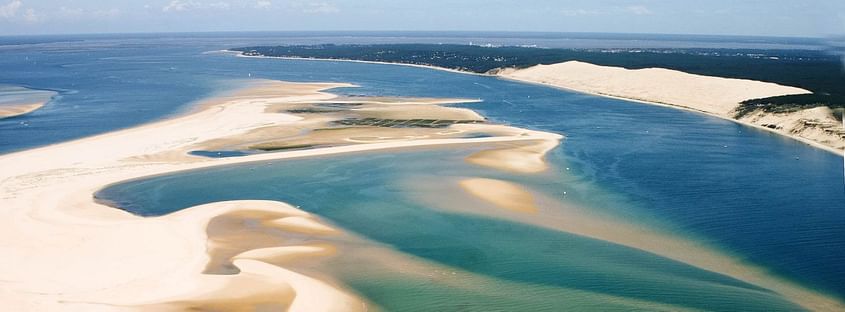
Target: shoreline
[(109, 257), (684, 108), (500, 75), (450, 70)]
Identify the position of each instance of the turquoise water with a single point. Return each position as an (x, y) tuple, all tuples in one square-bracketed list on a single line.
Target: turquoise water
[(363, 193), (729, 186)]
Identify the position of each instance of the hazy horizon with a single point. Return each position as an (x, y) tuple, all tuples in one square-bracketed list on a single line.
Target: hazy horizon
[(456, 33), (812, 19)]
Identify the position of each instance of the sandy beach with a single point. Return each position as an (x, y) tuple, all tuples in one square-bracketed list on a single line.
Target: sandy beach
[(65, 251), (714, 96)]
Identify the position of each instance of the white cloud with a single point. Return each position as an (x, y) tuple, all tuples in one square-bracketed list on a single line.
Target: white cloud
[(179, 5), (187, 5), (31, 17), (578, 12), (639, 10), (80, 13), (260, 4), (70, 12), (315, 7), (219, 5), (109, 13), (9, 10)]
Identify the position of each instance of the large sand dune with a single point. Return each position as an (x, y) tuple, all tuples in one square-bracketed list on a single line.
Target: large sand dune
[(711, 95)]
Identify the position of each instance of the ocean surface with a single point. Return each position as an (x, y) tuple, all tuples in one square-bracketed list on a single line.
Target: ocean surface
[(767, 200)]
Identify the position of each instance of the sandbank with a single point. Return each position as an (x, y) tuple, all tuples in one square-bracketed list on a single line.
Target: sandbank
[(17, 101), (554, 214), (501, 193), (63, 250)]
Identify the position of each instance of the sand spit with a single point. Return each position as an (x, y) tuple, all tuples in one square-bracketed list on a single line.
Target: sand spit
[(16, 101), (64, 251), (715, 96)]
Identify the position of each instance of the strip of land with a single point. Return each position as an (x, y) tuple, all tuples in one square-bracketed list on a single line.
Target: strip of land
[(720, 97), (62, 250), (700, 81)]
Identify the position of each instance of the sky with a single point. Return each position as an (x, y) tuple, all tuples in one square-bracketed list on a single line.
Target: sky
[(803, 18)]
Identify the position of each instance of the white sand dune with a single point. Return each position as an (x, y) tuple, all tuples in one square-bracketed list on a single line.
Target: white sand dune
[(711, 95)]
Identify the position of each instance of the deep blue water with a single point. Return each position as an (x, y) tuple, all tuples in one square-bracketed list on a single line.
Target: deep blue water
[(774, 201)]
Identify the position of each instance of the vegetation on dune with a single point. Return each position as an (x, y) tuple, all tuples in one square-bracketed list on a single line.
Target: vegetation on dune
[(792, 103)]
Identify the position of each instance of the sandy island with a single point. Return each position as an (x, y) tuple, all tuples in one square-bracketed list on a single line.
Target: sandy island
[(64, 251), (714, 96), (16, 101)]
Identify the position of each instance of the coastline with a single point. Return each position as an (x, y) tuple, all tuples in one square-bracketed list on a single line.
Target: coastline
[(454, 71), (64, 250), (685, 108), (501, 74)]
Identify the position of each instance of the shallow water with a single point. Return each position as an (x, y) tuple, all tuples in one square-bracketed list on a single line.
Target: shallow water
[(770, 200), (367, 195)]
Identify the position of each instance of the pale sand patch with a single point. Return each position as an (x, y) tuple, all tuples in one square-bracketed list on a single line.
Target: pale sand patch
[(239, 232), (64, 251), (284, 254), (418, 112), (365, 135), (519, 157), (568, 218), (12, 110), (715, 96), (384, 100), (501, 193), (302, 225)]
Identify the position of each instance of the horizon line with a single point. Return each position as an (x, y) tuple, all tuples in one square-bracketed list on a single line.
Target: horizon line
[(420, 32)]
